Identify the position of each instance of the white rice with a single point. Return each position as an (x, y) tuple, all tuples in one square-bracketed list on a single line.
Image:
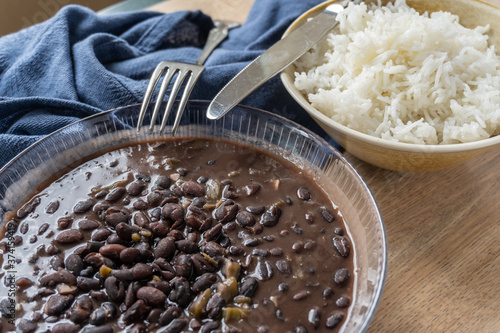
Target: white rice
[(395, 74)]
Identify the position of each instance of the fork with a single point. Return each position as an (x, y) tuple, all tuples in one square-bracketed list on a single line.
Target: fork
[(183, 70)]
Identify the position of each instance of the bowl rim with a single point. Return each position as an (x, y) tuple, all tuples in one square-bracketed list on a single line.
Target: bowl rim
[(450, 148), (379, 287)]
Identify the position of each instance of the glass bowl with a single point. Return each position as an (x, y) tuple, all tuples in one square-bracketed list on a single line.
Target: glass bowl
[(257, 128)]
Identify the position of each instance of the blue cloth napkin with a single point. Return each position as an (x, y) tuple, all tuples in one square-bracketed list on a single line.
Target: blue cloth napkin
[(79, 63)]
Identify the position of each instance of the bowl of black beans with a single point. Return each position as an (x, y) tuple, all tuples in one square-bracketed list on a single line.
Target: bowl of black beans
[(246, 224)]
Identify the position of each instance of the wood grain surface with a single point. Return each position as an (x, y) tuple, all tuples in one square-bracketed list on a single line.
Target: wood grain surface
[(443, 231)]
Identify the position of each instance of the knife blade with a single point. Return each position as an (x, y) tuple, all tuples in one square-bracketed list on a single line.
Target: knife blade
[(275, 59)]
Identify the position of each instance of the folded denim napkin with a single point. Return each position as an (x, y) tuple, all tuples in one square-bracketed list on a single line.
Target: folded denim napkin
[(79, 63)]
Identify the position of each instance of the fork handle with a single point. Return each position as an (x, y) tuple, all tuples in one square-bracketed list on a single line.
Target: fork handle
[(216, 35)]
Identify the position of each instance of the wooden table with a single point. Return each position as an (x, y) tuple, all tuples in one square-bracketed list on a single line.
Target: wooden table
[(443, 231)]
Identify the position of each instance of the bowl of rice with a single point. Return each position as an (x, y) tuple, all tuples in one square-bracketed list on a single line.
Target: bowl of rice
[(405, 85)]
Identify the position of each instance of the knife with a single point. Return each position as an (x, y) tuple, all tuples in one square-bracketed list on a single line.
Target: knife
[(275, 59)]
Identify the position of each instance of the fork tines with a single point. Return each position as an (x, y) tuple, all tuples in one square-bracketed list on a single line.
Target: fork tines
[(169, 69)]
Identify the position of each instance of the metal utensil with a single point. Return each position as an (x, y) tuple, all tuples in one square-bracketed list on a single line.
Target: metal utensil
[(275, 59), (180, 70)]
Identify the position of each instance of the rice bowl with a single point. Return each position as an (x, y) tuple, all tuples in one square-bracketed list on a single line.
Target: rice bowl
[(420, 140)]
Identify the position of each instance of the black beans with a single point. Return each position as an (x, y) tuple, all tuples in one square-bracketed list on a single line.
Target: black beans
[(226, 211), (115, 289), (74, 264), (303, 194), (334, 320), (115, 194), (271, 216), (301, 295), (165, 248), (136, 312), (342, 245), (56, 304), (112, 250), (343, 302), (204, 282), (136, 187), (181, 291), (284, 267), (245, 219), (341, 276), (69, 237), (83, 206), (61, 276), (327, 215), (174, 214), (194, 189), (249, 286), (151, 296), (314, 317)]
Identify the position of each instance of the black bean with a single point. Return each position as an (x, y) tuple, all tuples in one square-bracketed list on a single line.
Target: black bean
[(61, 276), (203, 282), (201, 264), (136, 312), (260, 252), (26, 326), (164, 286), (125, 231), (193, 188), (226, 211), (271, 217), (99, 329), (114, 216), (115, 194), (57, 262), (33, 239), (202, 180), (128, 255), (181, 292), (209, 326), (152, 296), (52, 206), (142, 271), (298, 247), (88, 225), (198, 219), (338, 231), (28, 207), (343, 302), (169, 314), (74, 264), (140, 205), (56, 304), (176, 326), (301, 295), (215, 305), (86, 284), (341, 276), (303, 194), (263, 270), (130, 294), (100, 235), (251, 242), (83, 206), (334, 319), (163, 182), (300, 329), (24, 227), (213, 249), (248, 286), (187, 246), (284, 266), (255, 209), (173, 214), (64, 223), (314, 317), (69, 236), (277, 252), (165, 248), (327, 293), (136, 187), (245, 219), (183, 265), (214, 232), (296, 229), (114, 289), (42, 228), (81, 309), (342, 245), (65, 328), (112, 250), (327, 215), (141, 219), (236, 251), (154, 315)]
